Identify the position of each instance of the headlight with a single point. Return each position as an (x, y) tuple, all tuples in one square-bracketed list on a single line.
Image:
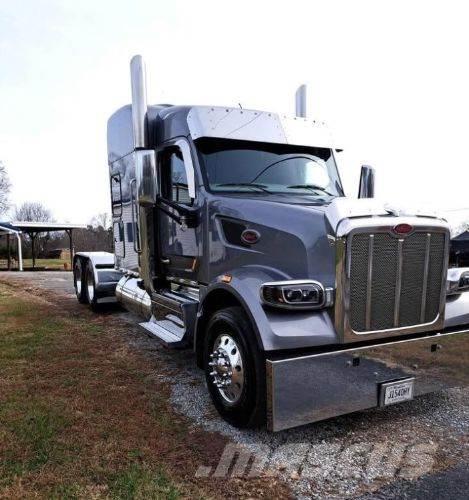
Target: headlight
[(297, 294)]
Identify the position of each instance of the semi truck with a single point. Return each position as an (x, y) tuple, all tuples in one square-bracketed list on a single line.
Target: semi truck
[(233, 237)]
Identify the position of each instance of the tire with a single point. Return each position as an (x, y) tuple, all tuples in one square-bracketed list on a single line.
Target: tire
[(90, 287), (79, 280), (230, 347)]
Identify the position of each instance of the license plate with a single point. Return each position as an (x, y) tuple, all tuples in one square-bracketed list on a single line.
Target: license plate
[(396, 392)]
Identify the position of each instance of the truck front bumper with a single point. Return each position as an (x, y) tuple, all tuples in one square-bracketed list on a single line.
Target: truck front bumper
[(309, 388)]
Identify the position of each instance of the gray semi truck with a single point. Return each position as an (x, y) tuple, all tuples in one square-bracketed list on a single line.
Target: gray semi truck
[(234, 238)]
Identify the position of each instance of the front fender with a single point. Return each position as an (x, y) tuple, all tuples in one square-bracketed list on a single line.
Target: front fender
[(276, 329)]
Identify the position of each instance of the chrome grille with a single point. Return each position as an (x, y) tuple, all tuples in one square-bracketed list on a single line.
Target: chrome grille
[(395, 282)]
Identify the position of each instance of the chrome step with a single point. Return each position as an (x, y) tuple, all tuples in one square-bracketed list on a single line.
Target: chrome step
[(165, 330), (174, 313)]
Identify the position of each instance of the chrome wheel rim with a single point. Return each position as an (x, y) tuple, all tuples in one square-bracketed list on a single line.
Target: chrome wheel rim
[(226, 363), (90, 285), (78, 279)]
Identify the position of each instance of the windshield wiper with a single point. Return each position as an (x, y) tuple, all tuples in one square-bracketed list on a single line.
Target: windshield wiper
[(246, 184), (310, 186)]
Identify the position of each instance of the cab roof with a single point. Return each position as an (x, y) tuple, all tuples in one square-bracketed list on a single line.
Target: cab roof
[(166, 122)]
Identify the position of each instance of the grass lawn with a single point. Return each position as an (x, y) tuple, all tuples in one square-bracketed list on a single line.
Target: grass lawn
[(83, 416), (41, 263), (49, 263), (56, 439)]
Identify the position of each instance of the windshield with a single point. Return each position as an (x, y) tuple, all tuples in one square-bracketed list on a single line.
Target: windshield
[(245, 166)]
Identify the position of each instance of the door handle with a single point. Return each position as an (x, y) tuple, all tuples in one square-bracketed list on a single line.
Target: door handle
[(166, 261)]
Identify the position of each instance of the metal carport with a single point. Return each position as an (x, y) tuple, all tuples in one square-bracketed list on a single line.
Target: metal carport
[(32, 229), (9, 230)]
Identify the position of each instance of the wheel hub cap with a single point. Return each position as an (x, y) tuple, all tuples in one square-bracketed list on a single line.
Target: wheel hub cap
[(90, 285), (78, 279), (227, 368)]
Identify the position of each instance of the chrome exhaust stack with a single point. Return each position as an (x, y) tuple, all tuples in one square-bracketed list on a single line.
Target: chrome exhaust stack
[(300, 101), (146, 186), (139, 102)]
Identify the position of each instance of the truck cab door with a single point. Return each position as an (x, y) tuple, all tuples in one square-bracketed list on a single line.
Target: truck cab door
[(179, 245)]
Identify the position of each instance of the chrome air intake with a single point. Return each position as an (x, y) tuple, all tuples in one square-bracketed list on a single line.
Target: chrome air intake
[(391, 282)]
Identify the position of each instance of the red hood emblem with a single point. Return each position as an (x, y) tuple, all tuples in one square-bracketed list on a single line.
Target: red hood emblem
[(402, 229)]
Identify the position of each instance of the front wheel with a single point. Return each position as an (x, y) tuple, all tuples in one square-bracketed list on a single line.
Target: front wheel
[(235, 368)]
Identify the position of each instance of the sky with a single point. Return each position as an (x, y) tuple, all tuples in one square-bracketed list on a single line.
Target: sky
[(391, 79)]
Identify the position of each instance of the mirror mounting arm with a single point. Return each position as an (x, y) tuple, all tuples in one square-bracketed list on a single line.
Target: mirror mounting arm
[(185, 217)]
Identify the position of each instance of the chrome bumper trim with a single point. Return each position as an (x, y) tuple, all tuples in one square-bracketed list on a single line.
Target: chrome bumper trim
[(316, 387)]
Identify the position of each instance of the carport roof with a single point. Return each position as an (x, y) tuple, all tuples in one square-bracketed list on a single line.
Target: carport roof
[(37, 227), (7, 228)]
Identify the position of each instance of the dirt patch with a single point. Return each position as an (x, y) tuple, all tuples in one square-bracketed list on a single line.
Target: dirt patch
[(83, 415)]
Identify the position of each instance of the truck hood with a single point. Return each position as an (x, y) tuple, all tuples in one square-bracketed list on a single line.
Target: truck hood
[(297, 238), (349, 208)]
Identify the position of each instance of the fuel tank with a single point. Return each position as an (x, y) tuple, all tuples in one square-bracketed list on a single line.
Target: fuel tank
[(132, 297)]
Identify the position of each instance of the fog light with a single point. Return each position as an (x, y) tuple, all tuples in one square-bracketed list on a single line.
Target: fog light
[(297, 294)]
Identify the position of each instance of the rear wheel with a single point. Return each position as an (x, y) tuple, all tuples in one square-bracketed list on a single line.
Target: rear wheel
[(90, 287), (78, 281), (235, 368)]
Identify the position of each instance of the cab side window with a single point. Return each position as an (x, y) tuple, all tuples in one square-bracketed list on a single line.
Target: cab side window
[(175, 178)]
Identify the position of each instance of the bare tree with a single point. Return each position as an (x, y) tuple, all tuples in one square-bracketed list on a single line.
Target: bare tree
[(101, 220), (4, 188), (96, 237), (33, 212), (460, 229)]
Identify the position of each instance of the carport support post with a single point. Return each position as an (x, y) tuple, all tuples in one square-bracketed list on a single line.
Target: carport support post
[(33, 248), (20, 252), (9, 251), (70, 237)]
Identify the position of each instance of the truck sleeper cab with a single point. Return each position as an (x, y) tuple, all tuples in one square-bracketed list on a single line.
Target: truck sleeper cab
[(233, 237)]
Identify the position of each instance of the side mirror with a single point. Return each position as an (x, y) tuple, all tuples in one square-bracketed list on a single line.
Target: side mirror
[(146, 177), (366, 188)]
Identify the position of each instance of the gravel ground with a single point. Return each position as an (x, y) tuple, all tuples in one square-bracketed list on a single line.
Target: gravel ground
[(379, 453), (452, 484)]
